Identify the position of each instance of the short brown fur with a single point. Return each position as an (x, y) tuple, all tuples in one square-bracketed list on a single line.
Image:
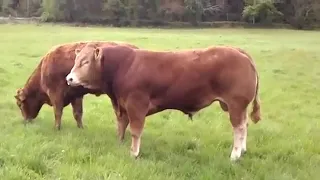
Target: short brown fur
[(145, 82)]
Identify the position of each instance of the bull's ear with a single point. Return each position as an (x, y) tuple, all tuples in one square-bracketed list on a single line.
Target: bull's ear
[(97, 54), (77, 51)]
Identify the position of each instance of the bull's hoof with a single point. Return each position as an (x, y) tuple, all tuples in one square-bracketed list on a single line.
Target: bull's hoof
[(234, 158), (244, 151), (134, 155)]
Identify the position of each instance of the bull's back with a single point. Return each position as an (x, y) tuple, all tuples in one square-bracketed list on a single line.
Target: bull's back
[(171, 77), (189, 78)]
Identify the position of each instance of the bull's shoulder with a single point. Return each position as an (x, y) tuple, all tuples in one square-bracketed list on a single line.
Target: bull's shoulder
[(226, 50), (119, 52)]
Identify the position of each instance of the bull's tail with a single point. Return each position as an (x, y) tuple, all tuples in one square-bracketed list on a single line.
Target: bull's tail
[(256, 114)]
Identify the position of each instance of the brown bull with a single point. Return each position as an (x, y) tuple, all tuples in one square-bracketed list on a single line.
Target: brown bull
[(146, 82), (47, 84)]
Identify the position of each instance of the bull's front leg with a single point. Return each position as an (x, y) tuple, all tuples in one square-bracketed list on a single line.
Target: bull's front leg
[(137, 108), (122, 120), (136, 129)]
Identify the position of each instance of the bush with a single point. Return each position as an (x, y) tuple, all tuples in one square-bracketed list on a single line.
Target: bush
[(264, 12)]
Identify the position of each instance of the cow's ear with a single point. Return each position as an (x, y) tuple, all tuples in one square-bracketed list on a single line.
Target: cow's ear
[(17, 97), (20, 95), (77, 51)]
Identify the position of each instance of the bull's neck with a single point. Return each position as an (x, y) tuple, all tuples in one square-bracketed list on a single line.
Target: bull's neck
[(109, 70), (115, 63)]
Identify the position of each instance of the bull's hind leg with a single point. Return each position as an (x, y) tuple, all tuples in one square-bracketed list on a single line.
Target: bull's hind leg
[(238, 117), (244, 142), (77, 109)]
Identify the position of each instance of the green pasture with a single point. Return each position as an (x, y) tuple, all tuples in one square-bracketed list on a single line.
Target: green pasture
[(284, 145)]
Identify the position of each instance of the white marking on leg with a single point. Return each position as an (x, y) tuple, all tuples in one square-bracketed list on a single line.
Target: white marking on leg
[(244, 141), (238, 137), (135, 146)]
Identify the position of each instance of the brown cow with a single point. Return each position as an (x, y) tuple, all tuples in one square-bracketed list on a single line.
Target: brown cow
[(145, 82), (47, 84)]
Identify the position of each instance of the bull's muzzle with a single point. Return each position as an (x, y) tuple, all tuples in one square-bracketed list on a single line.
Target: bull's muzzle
[(72, 80)]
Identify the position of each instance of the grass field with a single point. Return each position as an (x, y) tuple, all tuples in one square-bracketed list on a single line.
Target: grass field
[(285, 145)]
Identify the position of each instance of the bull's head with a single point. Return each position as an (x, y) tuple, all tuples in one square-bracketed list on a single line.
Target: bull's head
[(29, 104), (87, 68)]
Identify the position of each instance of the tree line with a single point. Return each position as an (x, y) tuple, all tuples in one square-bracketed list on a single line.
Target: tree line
[(298, 13)]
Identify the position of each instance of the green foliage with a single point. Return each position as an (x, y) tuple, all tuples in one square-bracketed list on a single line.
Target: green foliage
[(264, 12), (300, 13), (7, 7), (50, 10), (194, 8), (250, 12), (307, 13)]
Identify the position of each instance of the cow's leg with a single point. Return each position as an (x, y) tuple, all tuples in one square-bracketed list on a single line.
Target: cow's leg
[(57, 103), (238, 119), (58, 110), (77, 108), (137, 108)]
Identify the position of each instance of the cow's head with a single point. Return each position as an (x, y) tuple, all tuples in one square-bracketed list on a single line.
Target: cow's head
[(28, 103), (87, 68)]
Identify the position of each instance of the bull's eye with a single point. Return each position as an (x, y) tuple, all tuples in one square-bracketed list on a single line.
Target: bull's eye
[(84, 63)]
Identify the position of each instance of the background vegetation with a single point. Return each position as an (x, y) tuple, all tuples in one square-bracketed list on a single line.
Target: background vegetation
[(298, 13), (284, 145)]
